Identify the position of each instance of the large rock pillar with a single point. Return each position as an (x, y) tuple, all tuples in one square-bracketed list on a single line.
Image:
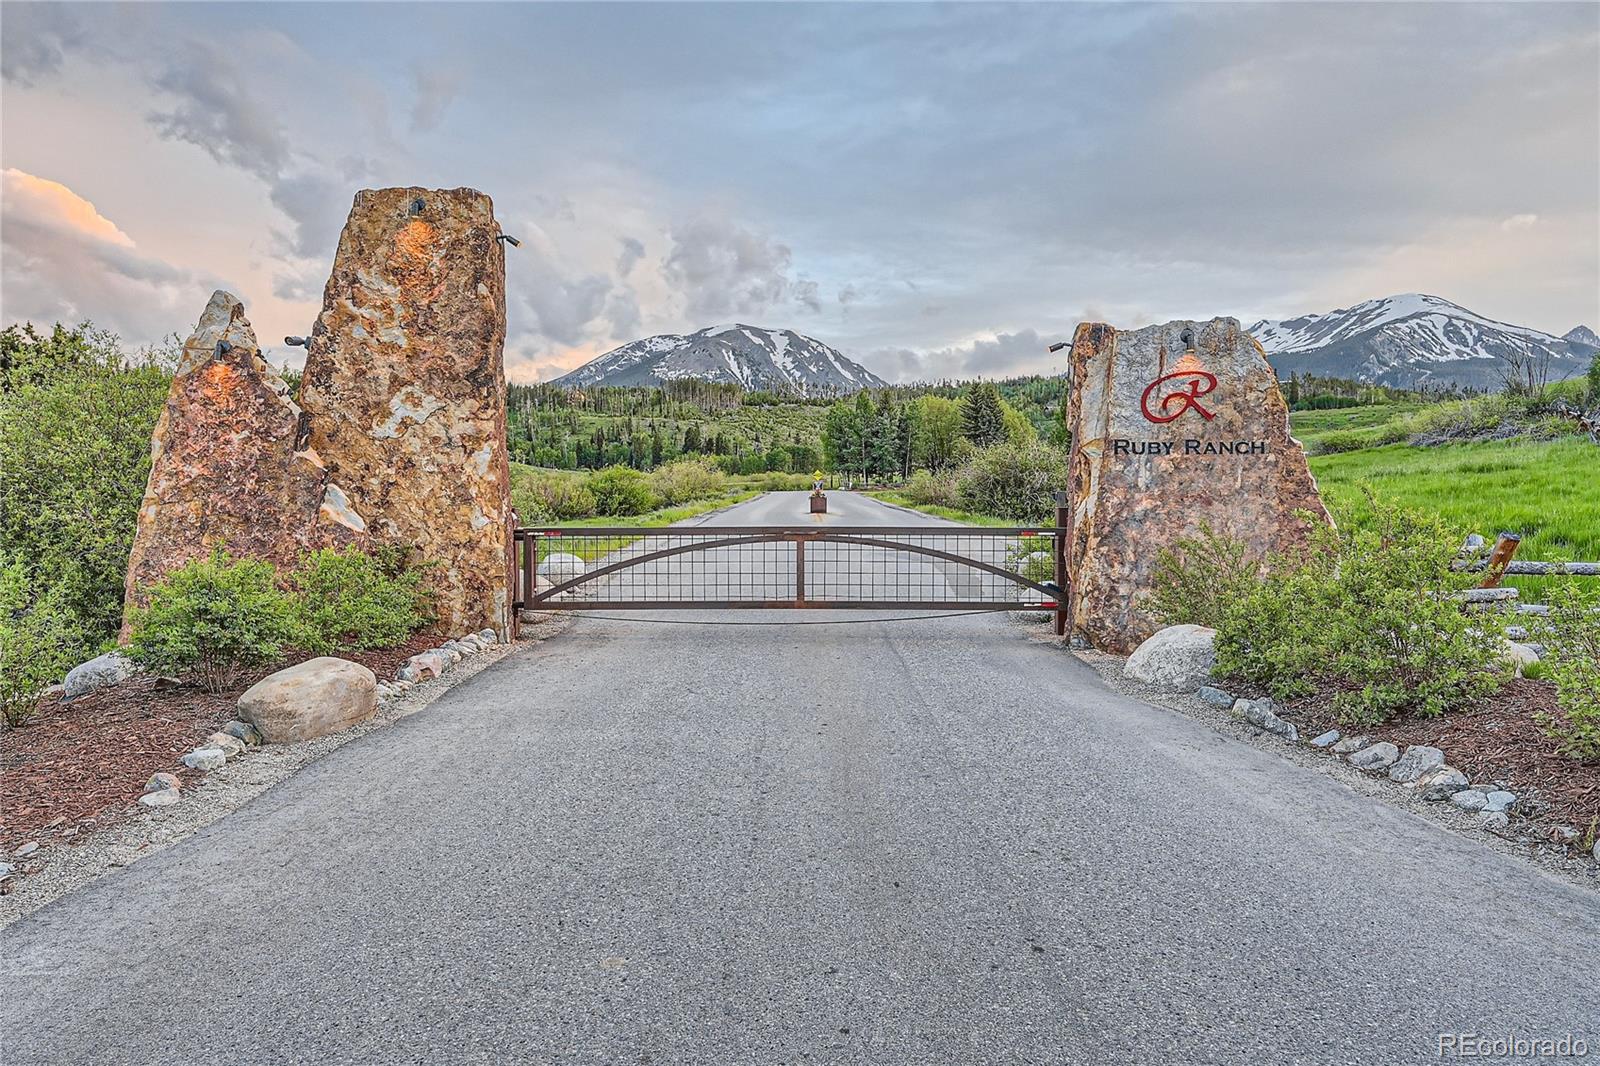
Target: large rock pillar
[(229, 463), (1174, 427), (405, 392)]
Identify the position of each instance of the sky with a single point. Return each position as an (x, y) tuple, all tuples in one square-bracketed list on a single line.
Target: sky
[(936, 190)]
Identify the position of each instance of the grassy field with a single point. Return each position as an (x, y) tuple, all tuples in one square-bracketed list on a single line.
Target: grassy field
[(1544, 490)]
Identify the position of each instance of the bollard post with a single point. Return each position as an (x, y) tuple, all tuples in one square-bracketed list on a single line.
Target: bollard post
[(1063, 524), (1505, 546)]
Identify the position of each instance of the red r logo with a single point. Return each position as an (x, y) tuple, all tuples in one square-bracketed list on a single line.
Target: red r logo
[(1195, 384)]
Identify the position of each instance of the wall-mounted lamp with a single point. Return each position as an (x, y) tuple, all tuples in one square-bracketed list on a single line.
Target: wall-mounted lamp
[(298, 342), (1057, 346), (509, 239)]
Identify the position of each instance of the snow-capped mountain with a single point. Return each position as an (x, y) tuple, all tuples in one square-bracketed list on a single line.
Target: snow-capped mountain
[(1582, 335), (777, 359), (1414, 340)]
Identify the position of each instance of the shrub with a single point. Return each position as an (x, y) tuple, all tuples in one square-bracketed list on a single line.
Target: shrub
[(688, 479), (76, 414), (1344, 440), (1196, 579), (1368, 615), (212, 619), (541, 498), (932, 489), (621, 490), (1571, 636), (349, 599), (39, 642), (1013, 481)]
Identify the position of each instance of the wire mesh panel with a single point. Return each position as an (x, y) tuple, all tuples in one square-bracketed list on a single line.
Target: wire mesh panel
[(775, 567)]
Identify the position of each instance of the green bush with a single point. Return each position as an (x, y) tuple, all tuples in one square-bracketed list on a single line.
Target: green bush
[(620, 490), (1015, 481), (688, 479), (39, 643), (1368, 616), (543, 498), (1344, 440), (212, 619), (1571, 635), (1196, 580), (927, 489), (76, 414), (349, 599)]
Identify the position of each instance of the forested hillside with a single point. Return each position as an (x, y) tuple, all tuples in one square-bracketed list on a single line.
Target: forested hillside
[(743, 432)]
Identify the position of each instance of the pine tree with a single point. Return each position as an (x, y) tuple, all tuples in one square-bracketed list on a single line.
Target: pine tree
[(982, 418)]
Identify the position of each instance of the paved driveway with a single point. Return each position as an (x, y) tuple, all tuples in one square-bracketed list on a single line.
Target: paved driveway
[(901, 842)]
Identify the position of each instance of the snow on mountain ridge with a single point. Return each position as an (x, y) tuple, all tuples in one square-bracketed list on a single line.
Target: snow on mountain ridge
[(749, 356), (1409, 340)]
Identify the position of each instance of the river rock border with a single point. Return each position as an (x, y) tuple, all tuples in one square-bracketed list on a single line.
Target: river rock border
[(1497, 829), (55, 869)]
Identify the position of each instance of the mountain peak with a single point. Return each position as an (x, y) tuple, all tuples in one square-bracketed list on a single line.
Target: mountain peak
[(1582, 335), (1409, 340), (753, 357)]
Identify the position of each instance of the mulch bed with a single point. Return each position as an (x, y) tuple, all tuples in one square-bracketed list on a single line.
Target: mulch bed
[(1498, 739), (78, 766)]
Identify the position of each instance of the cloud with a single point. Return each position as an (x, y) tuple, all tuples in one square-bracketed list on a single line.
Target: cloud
[(435, 88), (215, 110), (998, 355), (807, 296), (64, 261), (720, 268), (217, 114), (37, 40), (632, 252)]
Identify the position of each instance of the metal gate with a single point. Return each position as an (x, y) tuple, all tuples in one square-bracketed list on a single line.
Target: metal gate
[(901, 568)]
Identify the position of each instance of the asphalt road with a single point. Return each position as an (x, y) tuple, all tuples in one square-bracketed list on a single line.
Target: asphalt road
[(901, 842)]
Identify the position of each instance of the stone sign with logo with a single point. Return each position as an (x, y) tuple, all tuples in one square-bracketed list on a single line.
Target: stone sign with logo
[(1174, 427)]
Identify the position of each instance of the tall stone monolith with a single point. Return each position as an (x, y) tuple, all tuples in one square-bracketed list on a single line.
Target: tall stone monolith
[(1175, 427), (405, 393), (229, 463)]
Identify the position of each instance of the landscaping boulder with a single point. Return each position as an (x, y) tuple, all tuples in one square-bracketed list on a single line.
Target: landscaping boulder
[(1441, 783), (230, 745), (1349, 744), (244, 732), (1214, 696), (1177, 657), (1470, 799), (1418, 760), (1327, 739), (559, 567), (161, 797), (1379, 756), (1500, 800), (1517, 655), (112, 668), (160, 782), (205, 759), (1263, 714), (314, 699)]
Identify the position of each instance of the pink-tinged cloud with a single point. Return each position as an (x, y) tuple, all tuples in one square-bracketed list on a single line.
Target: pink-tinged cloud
[(51, 204), (63, 261)]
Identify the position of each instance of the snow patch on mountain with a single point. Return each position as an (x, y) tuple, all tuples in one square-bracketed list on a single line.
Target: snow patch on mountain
[(1412, 340), (749, 356)]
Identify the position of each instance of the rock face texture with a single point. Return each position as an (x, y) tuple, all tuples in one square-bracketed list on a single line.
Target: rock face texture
[(404, 390), (229, 462), (316, 698), (1174, 427)]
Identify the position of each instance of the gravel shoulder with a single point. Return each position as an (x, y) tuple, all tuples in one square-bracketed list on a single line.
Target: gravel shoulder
[(1515, 840), (64, 867)]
